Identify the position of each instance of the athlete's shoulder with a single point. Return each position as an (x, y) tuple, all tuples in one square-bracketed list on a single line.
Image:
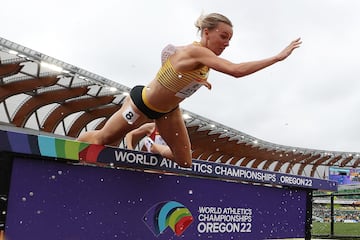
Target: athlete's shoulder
[(196, 50)]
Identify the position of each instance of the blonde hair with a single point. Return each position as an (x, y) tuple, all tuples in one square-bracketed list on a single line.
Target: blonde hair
[(210, 21)]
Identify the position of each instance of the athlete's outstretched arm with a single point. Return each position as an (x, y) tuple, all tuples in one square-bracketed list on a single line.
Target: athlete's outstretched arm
[(238, 70)]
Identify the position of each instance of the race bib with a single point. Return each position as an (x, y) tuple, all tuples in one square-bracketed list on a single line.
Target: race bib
[(130, 115)]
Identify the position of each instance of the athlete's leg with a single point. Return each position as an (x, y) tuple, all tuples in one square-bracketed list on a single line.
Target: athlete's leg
[(127, 118), (163, 150), (173, 130)]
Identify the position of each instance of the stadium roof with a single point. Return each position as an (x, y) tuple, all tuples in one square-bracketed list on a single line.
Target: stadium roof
[(46, 95)]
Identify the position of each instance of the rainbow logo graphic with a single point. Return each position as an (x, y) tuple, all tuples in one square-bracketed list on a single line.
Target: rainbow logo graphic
[(47, 146), (168, 214)]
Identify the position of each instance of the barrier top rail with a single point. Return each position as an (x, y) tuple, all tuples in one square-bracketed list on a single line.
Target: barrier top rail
[(59, 149)]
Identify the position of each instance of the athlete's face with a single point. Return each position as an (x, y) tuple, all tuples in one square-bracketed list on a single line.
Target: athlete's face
[(219, 38)]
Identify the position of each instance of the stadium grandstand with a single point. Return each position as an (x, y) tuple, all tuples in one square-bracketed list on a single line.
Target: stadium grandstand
[(42, 94)]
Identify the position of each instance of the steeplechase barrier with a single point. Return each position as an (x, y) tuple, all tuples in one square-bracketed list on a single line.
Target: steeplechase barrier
[(62, 189)]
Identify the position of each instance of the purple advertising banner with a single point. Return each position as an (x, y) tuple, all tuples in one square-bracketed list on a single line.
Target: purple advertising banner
[(59, 201)]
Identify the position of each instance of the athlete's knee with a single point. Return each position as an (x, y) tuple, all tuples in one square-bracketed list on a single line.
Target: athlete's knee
[(101, 137), (87, 137), (183, 156), (187, 164), (184, 159)]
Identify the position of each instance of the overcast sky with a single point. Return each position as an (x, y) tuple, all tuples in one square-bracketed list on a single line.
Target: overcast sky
[(310, 100)]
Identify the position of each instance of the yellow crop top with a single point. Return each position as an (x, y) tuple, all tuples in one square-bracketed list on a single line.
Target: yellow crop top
[(183, 84)]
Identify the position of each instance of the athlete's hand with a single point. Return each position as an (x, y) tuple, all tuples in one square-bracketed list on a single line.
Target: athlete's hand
[(289, 49)]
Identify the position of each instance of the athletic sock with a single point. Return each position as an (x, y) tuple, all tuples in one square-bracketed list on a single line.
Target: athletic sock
[(148, 143)]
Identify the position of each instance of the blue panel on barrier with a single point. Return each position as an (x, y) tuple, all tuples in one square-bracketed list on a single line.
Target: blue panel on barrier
[(47, 144), (19, 142)]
